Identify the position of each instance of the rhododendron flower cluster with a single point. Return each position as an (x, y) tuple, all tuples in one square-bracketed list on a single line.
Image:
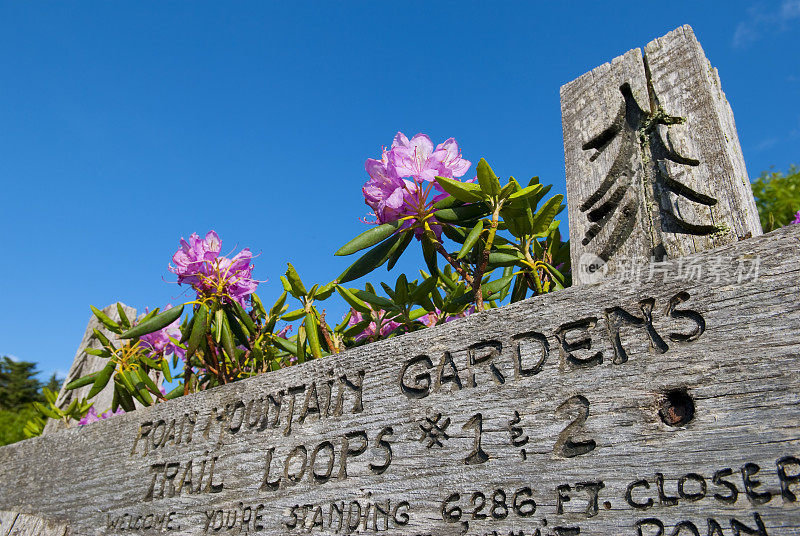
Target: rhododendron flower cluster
[(401, 181), (199, 264), (796, 217), (92, 416), (159, 342), (379, 326)]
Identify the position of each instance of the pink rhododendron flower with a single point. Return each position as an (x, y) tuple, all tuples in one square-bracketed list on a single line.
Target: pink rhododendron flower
[(796, 217), (432, 318), (284, 333), (402, 180), (378, 319), (92, 416), (199, 264), (159, 341)]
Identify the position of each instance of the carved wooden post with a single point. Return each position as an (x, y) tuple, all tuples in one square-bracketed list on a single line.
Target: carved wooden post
[(653, 162)]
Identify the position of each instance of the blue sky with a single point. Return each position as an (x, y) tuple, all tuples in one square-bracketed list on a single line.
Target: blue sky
[(126, 125)]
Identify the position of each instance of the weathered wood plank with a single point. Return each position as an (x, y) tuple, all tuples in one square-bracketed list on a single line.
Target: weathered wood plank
[(16, 524), (541, 401), (653, 162)]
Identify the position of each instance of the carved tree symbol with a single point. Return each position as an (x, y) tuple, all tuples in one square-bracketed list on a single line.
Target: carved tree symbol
[(619, 195)]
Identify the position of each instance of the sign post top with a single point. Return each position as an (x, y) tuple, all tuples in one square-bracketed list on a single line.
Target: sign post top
[(653, 163)]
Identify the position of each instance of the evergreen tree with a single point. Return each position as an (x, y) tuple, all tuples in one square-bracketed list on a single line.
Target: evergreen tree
[(18, 384), (54, 384)]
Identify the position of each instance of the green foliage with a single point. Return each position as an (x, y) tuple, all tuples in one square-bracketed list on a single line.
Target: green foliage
[(777, 197), (18, 384), (533, 258), (485, 243), (21, 396), (12, 424)]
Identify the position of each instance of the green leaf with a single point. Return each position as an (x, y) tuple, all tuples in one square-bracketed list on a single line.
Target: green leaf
[(462, 191), (218, 314), (258, 307), (371, 259), (100, 336), (417, 313), (105, 320), (175, 393), (278, 307), (102, 379), (520, 289), (355, 329), (354, 302), (534, 201), (294, 315), (285, 345), (150, 315), (154, 324), (456, 234), (510, 187), (407, 236), (80, 382), (140, 390), (198, 330), (125, 380), (370, 237), (374, 299), (165, 370), (448, 202), (341, 325), (236, 328), (41, 408), (472, 237), (325, 291), (186, 330), (296, 287), (312, 333), (400, 292), (488, 181), (557, 276), (508, 271), (504, 259), (245, 318), (97, 352), (424, 289), (123, 317), (49, 395), (462, 214), (495, 286), (429, 253), (313, 292), (226, 338), (148, 382), (301, 344), (285, 282), (545, 215), (530, 191)]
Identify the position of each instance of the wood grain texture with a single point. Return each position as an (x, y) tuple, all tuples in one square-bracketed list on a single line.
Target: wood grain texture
[(590, 415), (16, 524), (653, 162)]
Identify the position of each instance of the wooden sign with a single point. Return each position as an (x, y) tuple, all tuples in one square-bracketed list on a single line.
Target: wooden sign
[(662, 401), (666, 407), (654, 166)]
